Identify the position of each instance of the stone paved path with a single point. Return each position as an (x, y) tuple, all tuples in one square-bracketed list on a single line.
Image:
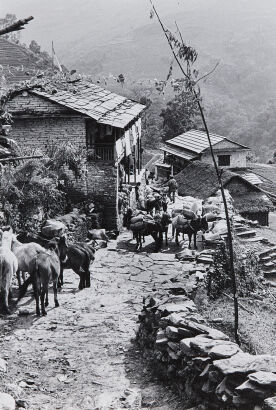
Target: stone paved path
[(80, 356)]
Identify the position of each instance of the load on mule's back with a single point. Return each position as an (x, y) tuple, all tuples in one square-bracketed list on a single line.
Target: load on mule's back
[(188, 221), (144, 225)]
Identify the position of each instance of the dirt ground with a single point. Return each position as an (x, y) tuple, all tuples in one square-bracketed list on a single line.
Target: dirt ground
[(81, 356), (257, 326)]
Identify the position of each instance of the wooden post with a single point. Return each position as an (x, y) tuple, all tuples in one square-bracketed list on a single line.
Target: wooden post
[(128, 170), (138, 149), (134, 164)]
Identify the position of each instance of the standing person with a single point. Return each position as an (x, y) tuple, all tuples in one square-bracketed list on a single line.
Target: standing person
[(172, 184), (137, 191), (147, 175)]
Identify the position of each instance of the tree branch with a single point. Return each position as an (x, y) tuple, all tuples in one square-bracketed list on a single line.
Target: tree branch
[(191, 84), (18, 25), (209, 73)]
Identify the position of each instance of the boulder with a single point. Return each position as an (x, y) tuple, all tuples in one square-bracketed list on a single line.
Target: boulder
[(245, 363), (7, 402), (270, 403), (262, 378)]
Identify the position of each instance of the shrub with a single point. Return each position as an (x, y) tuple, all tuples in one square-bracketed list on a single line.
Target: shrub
[(246, 268)]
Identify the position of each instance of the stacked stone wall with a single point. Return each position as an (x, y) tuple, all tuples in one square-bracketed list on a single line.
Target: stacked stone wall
[(205, 366), (102, 189)]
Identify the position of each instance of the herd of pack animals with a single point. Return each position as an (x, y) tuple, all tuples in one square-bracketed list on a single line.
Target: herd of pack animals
[(45, 258)]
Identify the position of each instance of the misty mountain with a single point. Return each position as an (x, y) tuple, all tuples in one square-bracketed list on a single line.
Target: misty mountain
[(117, 36)]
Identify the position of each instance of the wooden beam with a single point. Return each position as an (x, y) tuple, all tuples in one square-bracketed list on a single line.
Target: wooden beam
[(18, 25), (10, 159)]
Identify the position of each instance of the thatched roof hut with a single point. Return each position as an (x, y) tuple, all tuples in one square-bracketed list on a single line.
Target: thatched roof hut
[(199, 180)]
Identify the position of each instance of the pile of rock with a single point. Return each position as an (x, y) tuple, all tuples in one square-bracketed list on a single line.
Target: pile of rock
[(201, 361)]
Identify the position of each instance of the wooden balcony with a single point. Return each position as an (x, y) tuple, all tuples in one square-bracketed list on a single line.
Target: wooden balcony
[(104, 152)]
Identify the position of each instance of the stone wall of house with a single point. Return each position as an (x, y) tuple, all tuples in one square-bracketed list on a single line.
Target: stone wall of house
[(31, 104), (48, 122), (237, 158), (37, 133), (103, 190), (201, 362)]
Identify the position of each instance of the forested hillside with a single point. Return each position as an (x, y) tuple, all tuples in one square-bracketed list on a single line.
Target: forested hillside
[(239, 97)]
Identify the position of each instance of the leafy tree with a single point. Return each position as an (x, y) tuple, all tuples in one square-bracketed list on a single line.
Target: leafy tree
[(8, 20), (180, 115), (25, 189), (34, 47)]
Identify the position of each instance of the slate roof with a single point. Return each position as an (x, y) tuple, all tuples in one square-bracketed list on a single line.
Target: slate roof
[(199, 180), (196, 141), (250, 177), (96, 102), (178, 152), (267, 174)]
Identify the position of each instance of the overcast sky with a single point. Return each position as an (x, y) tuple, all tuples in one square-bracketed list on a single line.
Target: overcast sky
[(66, 21)]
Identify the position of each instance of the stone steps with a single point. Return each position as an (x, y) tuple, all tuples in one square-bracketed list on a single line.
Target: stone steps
[(246, 234), (265, 259), (253, 239), (267, 252), (268, 266), (240, 228)]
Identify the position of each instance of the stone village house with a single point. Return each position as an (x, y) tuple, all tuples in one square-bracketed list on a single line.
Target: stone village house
[(193, 145), (107, 125)]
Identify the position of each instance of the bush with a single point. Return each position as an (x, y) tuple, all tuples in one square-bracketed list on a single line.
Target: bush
[(246, 269), (27, 189)]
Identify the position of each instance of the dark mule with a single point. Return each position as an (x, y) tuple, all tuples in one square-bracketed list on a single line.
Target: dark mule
[(191, 228), (79, 257), (147, 227), (26, 237), (154, 204), (45, 268)]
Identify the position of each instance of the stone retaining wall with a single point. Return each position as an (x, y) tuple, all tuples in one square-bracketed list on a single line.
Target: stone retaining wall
[(205, 366)]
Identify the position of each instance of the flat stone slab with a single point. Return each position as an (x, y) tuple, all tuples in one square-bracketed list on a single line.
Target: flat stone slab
[(205, 346), (223, 351), (187, 306), (270, 403), (245, 363), (261, 378), (167, 257)]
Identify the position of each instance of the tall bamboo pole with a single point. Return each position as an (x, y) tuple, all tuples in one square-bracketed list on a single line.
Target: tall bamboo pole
[(218, 173)]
